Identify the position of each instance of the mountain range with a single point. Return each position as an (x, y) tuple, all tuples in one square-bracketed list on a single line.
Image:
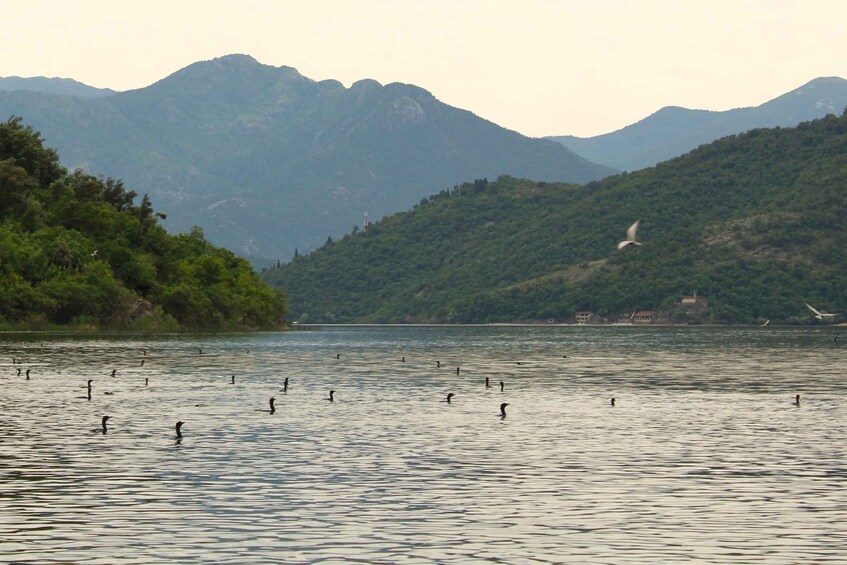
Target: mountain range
[(267, 161), (672, 131), (65, 86), (753, 224)]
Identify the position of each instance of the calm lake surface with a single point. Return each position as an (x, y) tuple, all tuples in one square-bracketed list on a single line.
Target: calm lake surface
[(703, 459)]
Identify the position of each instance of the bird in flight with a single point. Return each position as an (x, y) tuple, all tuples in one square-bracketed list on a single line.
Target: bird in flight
[(630, 237), (820, 315)]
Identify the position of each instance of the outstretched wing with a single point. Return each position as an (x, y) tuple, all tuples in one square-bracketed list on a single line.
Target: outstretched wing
[(813, 310), (630, 233)]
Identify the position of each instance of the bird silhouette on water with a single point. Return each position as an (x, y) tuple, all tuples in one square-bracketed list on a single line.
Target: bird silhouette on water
[(232, 382), (796, 400), (449, 396), (178, 428), (487, 383), (146, 381), (114, 371), (457, 370), (438, 364), (103, 429), (271, 402), (503, 409), (285, 385), (502, 385), (331, 399), (612, 402), (19, 371), (142, 363), (338, 356), (27, 374)]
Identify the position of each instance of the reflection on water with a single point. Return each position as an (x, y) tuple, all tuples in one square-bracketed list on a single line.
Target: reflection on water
[(703, 457)]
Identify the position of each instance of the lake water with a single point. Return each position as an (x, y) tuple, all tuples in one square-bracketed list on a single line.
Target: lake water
[(704, 458)]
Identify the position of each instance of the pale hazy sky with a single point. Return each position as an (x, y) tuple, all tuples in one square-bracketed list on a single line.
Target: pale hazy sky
[(540, 67)]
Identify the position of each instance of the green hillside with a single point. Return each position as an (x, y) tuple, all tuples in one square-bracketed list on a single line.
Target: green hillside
[(76, 251), (754, 223)]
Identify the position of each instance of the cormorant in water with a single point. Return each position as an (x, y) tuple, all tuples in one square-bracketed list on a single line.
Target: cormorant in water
[(612, 403), (271, 402), (142, 363), (27, 374), (438, 364), (19, 371), (146, 380), (503, 409), (285, 385), (796, 400), (114, 371), (487, 384), (89, 382), (103, 424), (457, 370), (449, 396), (502, 384), (330, 396), (232, 382), (338, 356), (177, 427)]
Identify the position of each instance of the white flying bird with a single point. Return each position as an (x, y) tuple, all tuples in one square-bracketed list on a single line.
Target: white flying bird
[(630, 236), (819, 315), (765, 324)]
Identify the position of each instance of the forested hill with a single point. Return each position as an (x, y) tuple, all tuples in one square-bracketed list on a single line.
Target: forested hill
[(755, 223), (77, 251)]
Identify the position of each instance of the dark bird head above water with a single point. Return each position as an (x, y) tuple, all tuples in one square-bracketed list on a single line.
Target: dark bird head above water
[(449, 396), (331, 393), (403, 360), (89, 382), (457, 370), (502, 385), (142, 363), (338, 356), (27, 373), (487, 383), (103, 423), (271, 402), (612, 402), (797, 400), (19, 371), (233, 380), (114, 371), (503, 409), (146, 381), (438, 364), (178, 427)]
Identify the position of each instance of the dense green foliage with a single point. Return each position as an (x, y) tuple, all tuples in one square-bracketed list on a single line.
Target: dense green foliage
[(76, 251), (267, 160), (754, 223), (672, 131)]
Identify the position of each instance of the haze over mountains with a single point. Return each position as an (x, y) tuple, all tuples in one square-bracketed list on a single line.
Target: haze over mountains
[(267, 161), (672, 131)]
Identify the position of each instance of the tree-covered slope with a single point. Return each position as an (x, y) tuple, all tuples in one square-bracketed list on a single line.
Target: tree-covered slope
[(267, 160), (754, 223), (672, 131), (75, 250)]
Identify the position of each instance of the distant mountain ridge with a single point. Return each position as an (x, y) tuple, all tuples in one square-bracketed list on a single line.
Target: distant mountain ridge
[(268, 161), (65, 86), (673, 131)]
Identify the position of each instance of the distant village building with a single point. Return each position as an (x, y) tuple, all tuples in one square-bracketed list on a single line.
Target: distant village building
[(584, 317), (693, 299), (644, 317)]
